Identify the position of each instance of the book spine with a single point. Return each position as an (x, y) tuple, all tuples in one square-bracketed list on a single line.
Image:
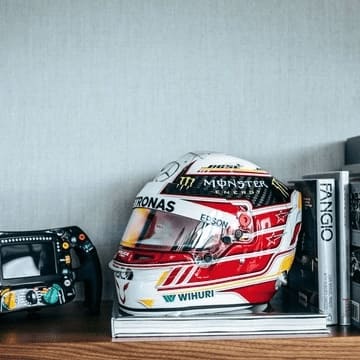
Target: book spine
[(355, 252), (327, 263), (343, 242)]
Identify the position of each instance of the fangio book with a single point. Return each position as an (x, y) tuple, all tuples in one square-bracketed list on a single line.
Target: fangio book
[(313, 276), (342, 240)]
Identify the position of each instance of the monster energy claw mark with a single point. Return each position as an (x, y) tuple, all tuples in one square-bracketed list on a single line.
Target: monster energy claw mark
[(280, 186)]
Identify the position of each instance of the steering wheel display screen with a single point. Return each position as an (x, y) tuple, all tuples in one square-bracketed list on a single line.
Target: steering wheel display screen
[(27, 260)]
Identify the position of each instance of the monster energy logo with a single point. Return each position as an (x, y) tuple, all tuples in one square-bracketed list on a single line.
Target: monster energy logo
[(186, 181), (196, 295), (235, 184)]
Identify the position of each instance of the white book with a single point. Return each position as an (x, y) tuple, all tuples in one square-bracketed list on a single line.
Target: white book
[(343, 240), (313, 276), (125, 326)]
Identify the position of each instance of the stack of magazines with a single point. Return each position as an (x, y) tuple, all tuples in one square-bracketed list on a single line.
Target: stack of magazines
[(272, 321)]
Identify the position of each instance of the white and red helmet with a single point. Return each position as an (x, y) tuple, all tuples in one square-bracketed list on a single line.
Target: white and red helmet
[(210, 233)]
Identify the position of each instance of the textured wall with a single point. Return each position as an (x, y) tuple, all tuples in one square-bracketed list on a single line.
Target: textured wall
[(96, 96)]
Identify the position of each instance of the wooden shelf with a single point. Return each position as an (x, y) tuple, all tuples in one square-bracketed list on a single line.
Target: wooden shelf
[(66, 332)]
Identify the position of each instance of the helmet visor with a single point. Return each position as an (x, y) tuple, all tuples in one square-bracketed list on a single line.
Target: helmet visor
[(166, 231)]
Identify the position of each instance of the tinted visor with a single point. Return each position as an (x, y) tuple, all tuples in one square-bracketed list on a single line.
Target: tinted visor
[(166, 231)]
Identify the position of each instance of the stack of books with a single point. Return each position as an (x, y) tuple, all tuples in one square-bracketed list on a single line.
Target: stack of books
[(280, 318), (352, 164), (320, 275), (326, 271)]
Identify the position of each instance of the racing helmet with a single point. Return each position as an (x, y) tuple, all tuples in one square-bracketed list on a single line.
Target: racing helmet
[(210, 233)]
